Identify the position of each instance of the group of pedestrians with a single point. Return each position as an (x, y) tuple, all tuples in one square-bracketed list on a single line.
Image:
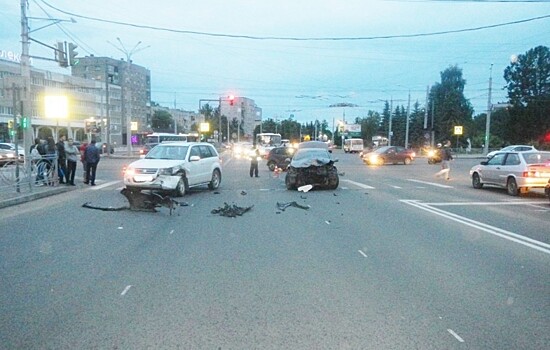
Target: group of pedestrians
[(67, 154)]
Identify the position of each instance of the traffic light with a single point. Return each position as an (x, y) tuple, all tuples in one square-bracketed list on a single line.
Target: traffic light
[(73, 61), (24, 122), (10, 124), (231, 100), (60, 55)]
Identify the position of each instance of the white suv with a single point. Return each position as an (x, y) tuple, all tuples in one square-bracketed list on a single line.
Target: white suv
[(175, 167)]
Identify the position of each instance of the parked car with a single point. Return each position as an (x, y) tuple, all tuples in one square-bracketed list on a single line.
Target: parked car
[(512, 148), (103, 149), (389, 154), (279, 157), (6, 156), (515, 171), (547, 189), (11, 147), (312, 166), (145, 149), (175, 167)]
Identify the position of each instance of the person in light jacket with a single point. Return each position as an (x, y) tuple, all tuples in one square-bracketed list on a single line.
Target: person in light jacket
[(72, 153)]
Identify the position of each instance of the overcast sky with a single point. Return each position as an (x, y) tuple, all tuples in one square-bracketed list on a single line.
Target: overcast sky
[(252, 54)]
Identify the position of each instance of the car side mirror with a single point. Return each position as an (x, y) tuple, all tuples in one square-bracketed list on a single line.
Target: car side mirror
[(484, 162), (194, 158)]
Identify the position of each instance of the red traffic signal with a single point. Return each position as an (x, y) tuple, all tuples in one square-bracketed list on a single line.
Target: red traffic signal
[(231, 100)]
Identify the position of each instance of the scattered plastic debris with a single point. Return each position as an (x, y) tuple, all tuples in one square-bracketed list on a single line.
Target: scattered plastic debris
[(327, 222), (303, 197), (216, 192), (283, 206), (343, 173), (243, 193), (305, 188), (231, 211), (335, 194)]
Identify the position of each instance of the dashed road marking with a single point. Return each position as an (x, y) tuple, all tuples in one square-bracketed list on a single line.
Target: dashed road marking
[(126, 290), (430, 183), (455, 335), (358, 184), (362, 253)]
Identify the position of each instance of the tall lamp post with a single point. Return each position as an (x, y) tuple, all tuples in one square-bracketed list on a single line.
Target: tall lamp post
[(127, 102)]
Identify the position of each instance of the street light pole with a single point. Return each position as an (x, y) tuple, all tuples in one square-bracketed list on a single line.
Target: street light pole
[(489, 110)]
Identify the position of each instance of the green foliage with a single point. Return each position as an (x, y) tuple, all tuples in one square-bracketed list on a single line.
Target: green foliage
[(450, 107), (162, 121), (528, 85)]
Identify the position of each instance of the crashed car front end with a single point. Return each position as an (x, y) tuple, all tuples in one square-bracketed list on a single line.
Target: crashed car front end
[(315, 171)]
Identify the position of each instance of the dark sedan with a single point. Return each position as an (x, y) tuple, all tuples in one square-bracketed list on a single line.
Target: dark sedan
[(279, 157), (389, 154), (312, 166)]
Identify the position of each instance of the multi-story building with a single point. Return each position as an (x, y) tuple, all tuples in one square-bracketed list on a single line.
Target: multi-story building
[(247, 114), (135, 84), (87, 101), (184, 119)]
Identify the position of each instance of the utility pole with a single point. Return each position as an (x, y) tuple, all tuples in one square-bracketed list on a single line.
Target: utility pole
[(126, 101), (390, 133), (107, 112), (26, 84), (489, 110), (407, 124)]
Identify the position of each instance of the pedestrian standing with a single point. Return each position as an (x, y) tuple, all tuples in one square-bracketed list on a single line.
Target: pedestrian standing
[(446, 161), (83, 159), (50, 159), (37, 151), (72, 154), (254, 162), (61, 160), (92, 159)]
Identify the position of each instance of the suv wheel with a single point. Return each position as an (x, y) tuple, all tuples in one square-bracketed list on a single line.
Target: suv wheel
[(271, 165), (512, 187), (216, 179), (181, 188)]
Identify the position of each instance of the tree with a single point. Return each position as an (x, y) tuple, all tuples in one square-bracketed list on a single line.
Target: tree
[(162, 121), (528, 85), (451, 108)]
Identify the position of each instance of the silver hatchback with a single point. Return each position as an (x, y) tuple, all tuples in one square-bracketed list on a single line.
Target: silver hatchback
[(515, 171)]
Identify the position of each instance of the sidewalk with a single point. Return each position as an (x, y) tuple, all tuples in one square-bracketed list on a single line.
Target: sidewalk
[(9, 195)]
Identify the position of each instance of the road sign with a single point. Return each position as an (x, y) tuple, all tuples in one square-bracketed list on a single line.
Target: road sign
[(458, 130)]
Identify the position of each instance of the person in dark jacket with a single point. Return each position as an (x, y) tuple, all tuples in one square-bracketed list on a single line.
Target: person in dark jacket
[(254, 162), (50, 159), (447, 156), (61, 160), (91, 155)]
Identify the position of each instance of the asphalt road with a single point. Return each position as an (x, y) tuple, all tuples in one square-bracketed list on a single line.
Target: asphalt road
[(392, 259)]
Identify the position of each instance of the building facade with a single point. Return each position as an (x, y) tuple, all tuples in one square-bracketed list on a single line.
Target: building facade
[(86, 102), (246, 113), (135, 84)]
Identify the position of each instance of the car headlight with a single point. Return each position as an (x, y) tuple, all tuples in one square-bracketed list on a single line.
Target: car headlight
[(166, 171), (373, 159), (129, 171), (431, 153)]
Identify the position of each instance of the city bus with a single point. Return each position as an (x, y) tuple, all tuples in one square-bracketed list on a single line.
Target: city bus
[(266, 141), (151, 140)]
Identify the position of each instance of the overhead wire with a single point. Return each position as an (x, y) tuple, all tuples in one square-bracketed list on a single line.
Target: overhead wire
[(290, 38)]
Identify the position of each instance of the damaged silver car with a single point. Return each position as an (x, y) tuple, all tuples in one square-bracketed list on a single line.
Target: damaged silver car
[(312, 166)]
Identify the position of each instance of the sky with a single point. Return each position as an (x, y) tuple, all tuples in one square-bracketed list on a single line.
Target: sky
[(293, 57)]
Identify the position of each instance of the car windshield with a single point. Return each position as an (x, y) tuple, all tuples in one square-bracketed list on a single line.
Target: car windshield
[(311, 153), (167, 152), (382, 149)]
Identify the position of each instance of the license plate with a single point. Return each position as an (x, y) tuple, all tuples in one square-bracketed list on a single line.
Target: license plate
[(143, 178)]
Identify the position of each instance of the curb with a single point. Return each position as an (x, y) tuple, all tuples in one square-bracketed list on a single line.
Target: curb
[(34, 196)]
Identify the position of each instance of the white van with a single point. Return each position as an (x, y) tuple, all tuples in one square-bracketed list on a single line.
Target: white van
[(353, 145)]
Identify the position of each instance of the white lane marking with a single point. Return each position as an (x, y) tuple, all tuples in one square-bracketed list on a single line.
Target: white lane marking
[(107, 184), (358, 184), (171, 231), (430, 183), (126, 290), (526, 241), (442, 204), (327, 222), (455, 335), (398, 187), (361, 252)]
